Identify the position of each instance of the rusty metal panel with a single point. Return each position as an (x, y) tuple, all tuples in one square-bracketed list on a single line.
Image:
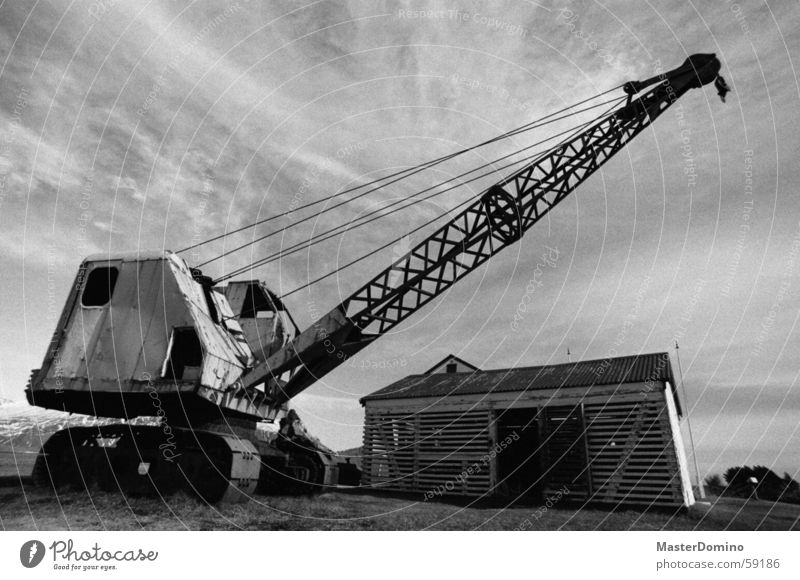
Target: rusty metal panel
[(236, 292), (132, 341), (263, 334), (83, 328), (126, 339), (224, 358), (121, 346), (232, 325), (104, 342), (54, 350), (166, 310), (118, 346)]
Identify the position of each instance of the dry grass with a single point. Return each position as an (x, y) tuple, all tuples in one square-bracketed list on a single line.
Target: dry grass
[(26, 508)]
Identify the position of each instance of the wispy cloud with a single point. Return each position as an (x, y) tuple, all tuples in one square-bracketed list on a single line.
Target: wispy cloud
[(150, 126)]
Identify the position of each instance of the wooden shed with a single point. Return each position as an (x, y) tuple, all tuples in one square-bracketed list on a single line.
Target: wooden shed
[(601, 431)]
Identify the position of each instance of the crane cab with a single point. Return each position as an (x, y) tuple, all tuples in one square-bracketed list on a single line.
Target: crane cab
[(141, 334), (266, 323)]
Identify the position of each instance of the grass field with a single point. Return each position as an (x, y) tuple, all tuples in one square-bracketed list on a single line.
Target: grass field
[(26, 508)]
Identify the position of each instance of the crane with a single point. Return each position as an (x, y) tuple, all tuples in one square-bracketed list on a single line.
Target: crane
[(197, 370)]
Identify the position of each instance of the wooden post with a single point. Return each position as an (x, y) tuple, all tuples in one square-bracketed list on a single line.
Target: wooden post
[(492, 418)]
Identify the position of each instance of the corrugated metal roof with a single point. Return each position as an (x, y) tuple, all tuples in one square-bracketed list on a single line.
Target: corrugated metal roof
[(610, 371)]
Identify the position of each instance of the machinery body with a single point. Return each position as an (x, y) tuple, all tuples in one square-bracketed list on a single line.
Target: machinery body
[(146, 335), (136, 335)]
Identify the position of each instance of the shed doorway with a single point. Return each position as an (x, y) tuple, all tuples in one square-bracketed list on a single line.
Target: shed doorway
[(519, 465)]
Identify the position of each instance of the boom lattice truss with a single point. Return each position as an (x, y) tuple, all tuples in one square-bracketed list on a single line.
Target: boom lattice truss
[(488, 225)]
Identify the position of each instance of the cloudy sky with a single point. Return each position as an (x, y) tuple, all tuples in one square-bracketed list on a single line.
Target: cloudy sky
[(139, 125)]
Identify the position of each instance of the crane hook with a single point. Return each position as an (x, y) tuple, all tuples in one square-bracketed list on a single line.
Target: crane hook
[(722, 87)]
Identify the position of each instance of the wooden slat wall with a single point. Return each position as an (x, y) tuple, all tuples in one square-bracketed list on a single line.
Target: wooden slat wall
[(423, 451), (631, 453), (629, 443)]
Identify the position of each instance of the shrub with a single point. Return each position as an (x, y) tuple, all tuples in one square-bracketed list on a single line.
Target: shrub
[(714, 484), (770, 486)]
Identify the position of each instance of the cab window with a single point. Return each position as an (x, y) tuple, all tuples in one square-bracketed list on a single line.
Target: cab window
[(99, 286)]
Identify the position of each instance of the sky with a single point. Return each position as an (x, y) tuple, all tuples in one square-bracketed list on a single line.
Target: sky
[(152, 125)]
